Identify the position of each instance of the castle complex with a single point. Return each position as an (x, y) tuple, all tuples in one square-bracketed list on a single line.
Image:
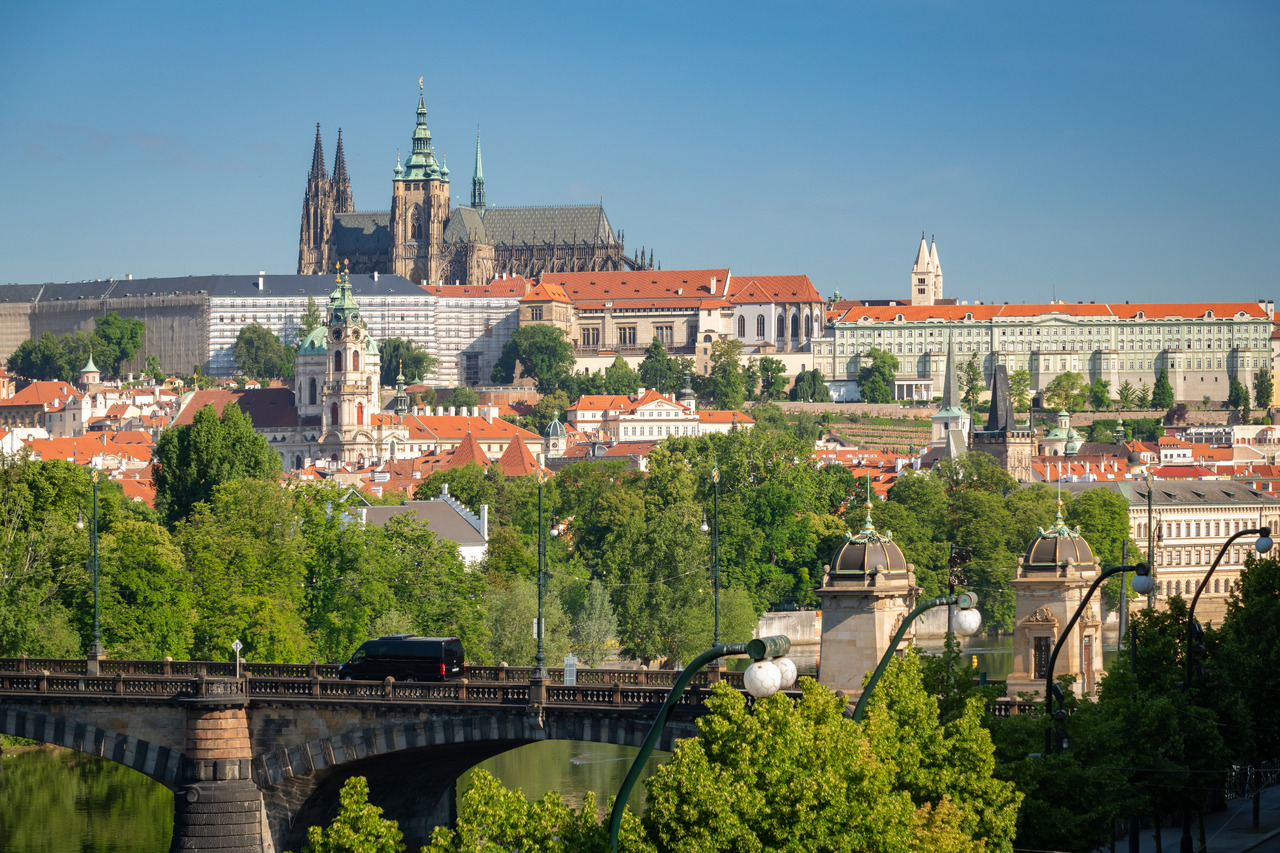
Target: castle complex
[(423, 240)]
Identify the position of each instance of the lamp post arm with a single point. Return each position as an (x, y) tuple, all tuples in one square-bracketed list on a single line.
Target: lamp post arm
[(893, 645), (1204, 581), (1062, 638)]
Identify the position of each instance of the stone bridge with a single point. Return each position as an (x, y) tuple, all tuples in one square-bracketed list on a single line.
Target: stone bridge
[(254, 759)]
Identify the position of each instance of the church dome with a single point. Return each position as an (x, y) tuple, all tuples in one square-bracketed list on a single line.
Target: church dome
[(1057, 545), (868, 554), (314, 342), (555, 429)]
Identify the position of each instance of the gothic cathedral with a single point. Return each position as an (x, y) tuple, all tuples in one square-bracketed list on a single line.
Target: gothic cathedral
[(425, 241)]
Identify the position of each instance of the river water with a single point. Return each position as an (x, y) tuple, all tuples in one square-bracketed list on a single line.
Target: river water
[(61, 801)]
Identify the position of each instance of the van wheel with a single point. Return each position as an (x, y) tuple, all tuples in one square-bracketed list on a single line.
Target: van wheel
[(409, 679), (347, 678)]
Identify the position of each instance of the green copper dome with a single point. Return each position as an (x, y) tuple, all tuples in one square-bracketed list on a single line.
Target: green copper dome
[(314, 342)]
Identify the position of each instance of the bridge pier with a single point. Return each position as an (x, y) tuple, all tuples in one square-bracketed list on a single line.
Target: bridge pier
[(219, 807)]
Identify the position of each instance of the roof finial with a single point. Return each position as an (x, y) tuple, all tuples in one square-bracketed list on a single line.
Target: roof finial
[(419, 84)]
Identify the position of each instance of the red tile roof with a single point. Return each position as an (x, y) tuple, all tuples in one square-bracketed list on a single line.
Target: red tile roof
[(1186, 310), (517, 461), (41, 394), (641, 284), (546, 292), (470, 451), (772, 288), (513, 287)]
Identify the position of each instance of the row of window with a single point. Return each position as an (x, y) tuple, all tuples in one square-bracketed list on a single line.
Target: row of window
[(1167, 588), (781, 326), (658, 430), (1188, 529)]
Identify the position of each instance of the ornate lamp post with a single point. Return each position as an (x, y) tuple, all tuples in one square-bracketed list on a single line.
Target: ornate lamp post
[(1194, 631), (715, 547), (958, 557), (540, 659), (96, 651), (763, 678), (969, 620)]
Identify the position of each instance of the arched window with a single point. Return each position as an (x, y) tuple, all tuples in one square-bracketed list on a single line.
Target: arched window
[(333, 414), (355, 360), (415, 223), (359, 414), (311, 393), (782, 326), (297, 461), (808, 326), (742, 326), (760, 326), (337, 361), (795, 325)]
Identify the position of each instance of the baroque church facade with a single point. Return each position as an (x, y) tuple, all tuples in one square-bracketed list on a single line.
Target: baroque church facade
[(427, 242)]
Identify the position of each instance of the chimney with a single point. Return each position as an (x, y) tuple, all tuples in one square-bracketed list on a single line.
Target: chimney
[(261, 274), (439, 411), (375, 275), (453, 411), (128, 277), (484, 521), (444, 490)]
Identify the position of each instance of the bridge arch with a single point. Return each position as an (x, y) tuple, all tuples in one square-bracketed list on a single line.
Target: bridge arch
[(157, 761), (414, 760)]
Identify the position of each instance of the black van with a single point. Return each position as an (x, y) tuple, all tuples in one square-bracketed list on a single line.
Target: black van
[(405, 657)]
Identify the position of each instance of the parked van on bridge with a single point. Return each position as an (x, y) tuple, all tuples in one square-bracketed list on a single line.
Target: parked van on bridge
[(405, 657)]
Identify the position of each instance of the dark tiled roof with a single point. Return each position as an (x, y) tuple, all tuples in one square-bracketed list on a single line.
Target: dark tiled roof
[(507, 226), (269, 408), (362, 233), (20, 292), (1181, 492), (465, 224), (319, 286), (443, 520)]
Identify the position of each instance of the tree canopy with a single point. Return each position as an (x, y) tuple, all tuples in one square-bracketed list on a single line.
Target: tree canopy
[(401, 356), (1162, 393), (114, 341), (261, 355), (543, 352), (191, 460), (875, 379)]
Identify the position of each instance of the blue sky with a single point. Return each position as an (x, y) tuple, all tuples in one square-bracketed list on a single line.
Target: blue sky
[(1094, 151)]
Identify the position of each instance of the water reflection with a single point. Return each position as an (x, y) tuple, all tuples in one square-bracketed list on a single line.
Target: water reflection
[(994, 655), (59, 801), (572, 768)]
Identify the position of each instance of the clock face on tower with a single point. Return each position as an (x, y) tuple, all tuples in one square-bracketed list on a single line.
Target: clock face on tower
[(337, 334)]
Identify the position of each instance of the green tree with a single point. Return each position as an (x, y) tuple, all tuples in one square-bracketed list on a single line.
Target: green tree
[(811, 387), (875, 379), (543, 353), (551, 406), (1143, 398), (311, 320), (662, 371), (727, 385), (463, 396), (1100, 394), (595, 628), (1067, 391), (193, 459), (751, 379), (1126, 395), (42, 359), (513, 621), (359, 826), (773, 380), (620, 378), (1262, 387), (116, 340), (971, 382), (247, 558), (146, 605), (402, 356), (1020, 389), (1162, 394), (260, 354), (1238, 396)]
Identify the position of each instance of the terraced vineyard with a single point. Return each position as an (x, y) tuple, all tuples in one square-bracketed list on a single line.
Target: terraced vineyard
[(899, 435)]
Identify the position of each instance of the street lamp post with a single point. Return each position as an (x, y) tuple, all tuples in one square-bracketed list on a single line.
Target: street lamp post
[(96, 651), (1141, 583), (1263, 545), (540, 659), (715, 547), (969, 619), (764, 678), (958, 557)]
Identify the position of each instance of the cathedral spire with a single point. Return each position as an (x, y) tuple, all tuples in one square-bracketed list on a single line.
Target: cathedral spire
[(951, 388), (477, 181), (422, 164), (342, 201), (317, 158)]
